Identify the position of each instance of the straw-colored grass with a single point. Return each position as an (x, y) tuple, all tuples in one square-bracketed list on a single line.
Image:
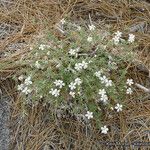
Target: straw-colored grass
[(28, 20)]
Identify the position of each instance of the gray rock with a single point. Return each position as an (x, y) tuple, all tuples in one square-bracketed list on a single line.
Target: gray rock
[(4, 118)]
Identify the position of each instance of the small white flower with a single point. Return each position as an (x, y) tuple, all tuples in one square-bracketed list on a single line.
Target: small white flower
[(48, 53), (72, 86), (104, 130), (54, 92), (117, 37), (118, 34), (58, 65), (116, 40), (89, 39), (98, 73), (129, 91), (20, 77), (20, 87), (41, 47), (118, 107), (26, 90), (103, 79), (28, 80), (131, 38), (111, 108), (129, 82), (78, 66), (91, 27), (78, 28), (108, 83), (59, 83), (31, 48), (74, 51), (84, 64), (78, 81), (72, 94), (104, 98), (102, 92), (62, 21), (37, 65), (89, 115)]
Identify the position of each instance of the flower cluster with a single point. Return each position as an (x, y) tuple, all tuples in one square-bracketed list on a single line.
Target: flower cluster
[(73, 85), (80, 66), (56, 92), (78, 72), (92, 27), (103, 79), (104, 97), (129, 83), (131, 38), (117, 38), (74, 52), (24, 87)]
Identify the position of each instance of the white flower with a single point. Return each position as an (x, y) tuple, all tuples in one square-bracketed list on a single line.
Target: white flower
[(104, 130), (54, 92), (118, 34), (102, 91), (117, 37), (58, 65), (111, 108), (37, 65), (41, 47), (59, 83), (72, 86), (78, 28), (103, 79), (20, 77), (31, 48), (129, 91), (104, 98), (62, 21), (98, 73), (89, 39), (78, 66), (78, 81), (74, 51), (89, 115), (131, 38), (72, 94), (108, 83), (116, 40), (26, 90), (84, 64), (28, 81), (129, 82), (118, 107), (91, 27), (48, 53), (20, 87)]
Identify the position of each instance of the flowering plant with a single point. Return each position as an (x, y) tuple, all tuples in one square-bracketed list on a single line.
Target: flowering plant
[(83, 71)]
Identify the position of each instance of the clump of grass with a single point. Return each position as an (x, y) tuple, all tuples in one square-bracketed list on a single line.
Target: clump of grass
[(83, 73)]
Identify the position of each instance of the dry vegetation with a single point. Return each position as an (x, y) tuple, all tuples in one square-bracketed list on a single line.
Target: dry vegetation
[(22, 22)]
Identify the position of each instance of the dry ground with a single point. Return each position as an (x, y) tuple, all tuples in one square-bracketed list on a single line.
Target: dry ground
[(23, 21)]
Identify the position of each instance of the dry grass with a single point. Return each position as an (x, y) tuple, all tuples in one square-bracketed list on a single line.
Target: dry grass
[(25, 21)]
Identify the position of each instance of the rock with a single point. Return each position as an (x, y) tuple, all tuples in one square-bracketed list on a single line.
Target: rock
[(4, 121)]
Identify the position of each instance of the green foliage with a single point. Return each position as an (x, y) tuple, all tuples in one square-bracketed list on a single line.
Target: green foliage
[(52, 60)]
